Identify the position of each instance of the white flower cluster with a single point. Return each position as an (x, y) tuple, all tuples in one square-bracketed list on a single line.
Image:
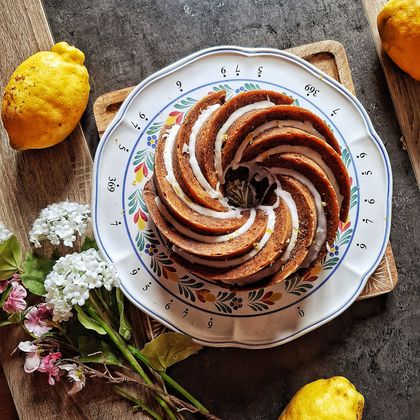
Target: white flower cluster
[(4, 233), (71, 279), (60, 222)]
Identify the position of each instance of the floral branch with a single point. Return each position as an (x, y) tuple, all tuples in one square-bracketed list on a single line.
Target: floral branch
[(73, 312), (137, 353), (127, 354), (138, 404)]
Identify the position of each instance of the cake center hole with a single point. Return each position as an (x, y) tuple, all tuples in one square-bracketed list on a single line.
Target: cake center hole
[(243, 192)]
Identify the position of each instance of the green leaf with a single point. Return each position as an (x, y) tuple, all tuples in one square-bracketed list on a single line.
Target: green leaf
[(5, 295), (88, 244), (88, 322), (101, 358), (125, 327), (35, 270), (94, 351), (35, 287), (10, 257), (87, 344), (12, 319), (168, 349)]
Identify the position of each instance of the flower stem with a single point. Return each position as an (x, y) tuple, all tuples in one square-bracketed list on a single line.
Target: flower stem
[(98, 294), (119, 342), (175, 385), (92, 301), (138, 404)]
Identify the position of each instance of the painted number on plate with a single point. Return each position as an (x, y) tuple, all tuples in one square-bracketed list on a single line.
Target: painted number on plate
[(123, 148), (120, 146), (112, 184), (311, 90), (142, 116), (135, 125)]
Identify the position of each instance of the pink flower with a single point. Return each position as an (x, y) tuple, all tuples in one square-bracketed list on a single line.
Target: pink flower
[(16, 277), (75, 374), (33, 359), (15, 302), (48, 366), (37, 320), (3, 285)]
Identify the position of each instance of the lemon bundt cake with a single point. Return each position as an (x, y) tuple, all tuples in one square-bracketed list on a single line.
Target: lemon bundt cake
[(247, 189)]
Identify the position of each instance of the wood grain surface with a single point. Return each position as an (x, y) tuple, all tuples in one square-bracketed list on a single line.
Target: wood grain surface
[(31, 180), (7, 406), (404, 90), (330, 57)]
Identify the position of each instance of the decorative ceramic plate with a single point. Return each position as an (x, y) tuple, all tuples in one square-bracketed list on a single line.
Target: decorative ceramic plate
[(207, 312)]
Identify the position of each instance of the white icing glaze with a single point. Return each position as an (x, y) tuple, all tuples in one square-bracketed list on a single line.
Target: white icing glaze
[(170, 177), (258, 173), (205, 238), (234, 261), (265, 272), (311, 154), (321, 230), (239, 152), (203, 117), (275, 267), (220, 135), (287, 198), (303, 126)]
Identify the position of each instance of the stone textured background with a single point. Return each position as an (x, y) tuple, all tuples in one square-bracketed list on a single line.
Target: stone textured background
[(376, 342)]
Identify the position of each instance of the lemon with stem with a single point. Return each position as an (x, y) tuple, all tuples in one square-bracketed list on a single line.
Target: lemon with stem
[(45, 97)]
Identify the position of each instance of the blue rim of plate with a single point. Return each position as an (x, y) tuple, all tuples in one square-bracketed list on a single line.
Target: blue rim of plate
[(161, 283), (325, 78)]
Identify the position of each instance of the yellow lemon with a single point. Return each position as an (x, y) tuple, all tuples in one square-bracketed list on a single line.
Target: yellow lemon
[(399, 29), (325, 399), (45, 97)]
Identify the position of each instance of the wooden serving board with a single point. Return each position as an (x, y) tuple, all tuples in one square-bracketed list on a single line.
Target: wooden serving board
[(328, 56), (404, 90), (29, 181)]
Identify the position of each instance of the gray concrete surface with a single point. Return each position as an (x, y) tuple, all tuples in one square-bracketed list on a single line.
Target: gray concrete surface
[(376, 342)]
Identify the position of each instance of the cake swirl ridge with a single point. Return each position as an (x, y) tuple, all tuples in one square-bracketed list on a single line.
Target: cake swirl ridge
[(285, 156)]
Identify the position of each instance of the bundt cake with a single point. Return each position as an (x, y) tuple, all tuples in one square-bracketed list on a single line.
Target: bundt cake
[(247, 189)]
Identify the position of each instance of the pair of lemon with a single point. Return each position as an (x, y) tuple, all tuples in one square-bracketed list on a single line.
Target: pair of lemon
[(48, 93)]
